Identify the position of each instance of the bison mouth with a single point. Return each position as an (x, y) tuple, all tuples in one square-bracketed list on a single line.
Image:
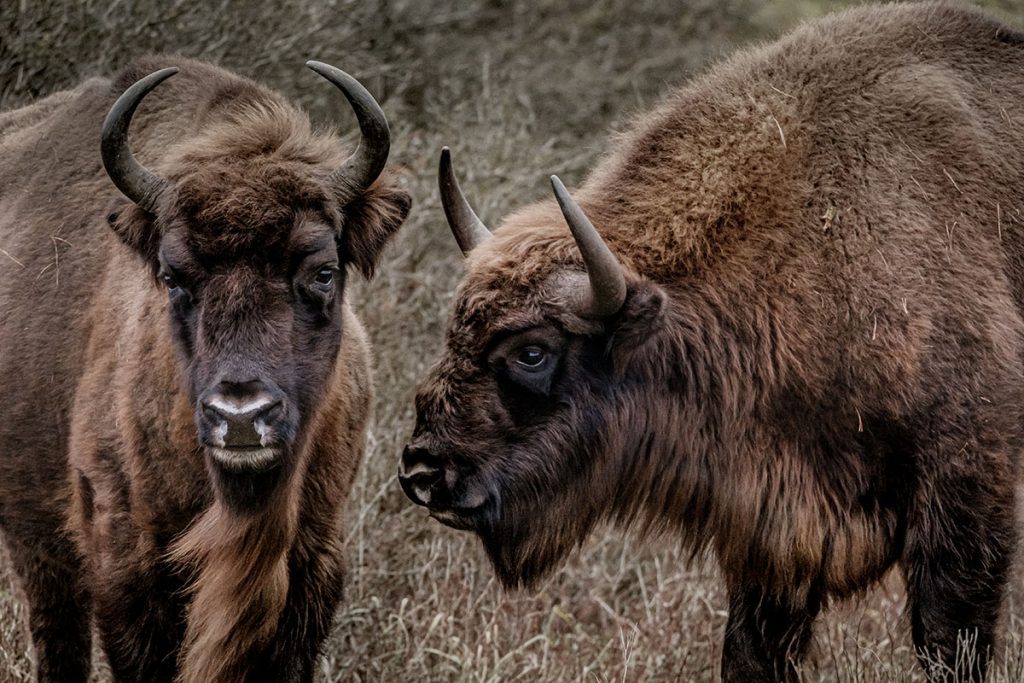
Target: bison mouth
[(245, 460), (462, 519), (465, 508)]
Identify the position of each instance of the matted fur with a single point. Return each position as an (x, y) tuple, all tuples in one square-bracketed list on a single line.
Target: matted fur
[(818, 373), (109, 503)]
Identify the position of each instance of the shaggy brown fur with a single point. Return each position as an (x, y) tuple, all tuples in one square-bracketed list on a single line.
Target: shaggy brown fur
[(818, 372), (111, 505)]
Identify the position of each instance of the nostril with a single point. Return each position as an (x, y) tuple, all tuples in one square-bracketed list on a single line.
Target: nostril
[(212, 414), (270, 414), (416, 460), (420, 464), (419, 474)]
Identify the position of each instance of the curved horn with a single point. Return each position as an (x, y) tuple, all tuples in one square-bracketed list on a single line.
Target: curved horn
[(468, 229), (364, 165), (607, 291), (133, 179)]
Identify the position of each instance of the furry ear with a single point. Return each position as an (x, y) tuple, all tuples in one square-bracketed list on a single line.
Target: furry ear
[(135, 228), (641, 317), (370, 221)]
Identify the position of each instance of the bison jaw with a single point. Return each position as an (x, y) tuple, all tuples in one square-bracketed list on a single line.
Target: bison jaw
[(461, 520)]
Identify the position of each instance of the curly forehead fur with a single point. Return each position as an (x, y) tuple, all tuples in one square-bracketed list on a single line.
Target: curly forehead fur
[(246, 167), (511, 277), (243, 183)]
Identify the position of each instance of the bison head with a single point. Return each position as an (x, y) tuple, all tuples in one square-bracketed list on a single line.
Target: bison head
[(540, 386), (249, 231)]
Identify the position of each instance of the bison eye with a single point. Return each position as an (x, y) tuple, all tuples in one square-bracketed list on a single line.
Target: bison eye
[(170, 281), (324, 277), (531, 357)]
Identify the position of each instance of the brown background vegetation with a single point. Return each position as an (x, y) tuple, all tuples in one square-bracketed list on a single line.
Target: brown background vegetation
[(519, 90)]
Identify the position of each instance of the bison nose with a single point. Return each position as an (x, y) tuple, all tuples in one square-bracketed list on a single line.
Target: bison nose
[(242, 416), (420, 474)]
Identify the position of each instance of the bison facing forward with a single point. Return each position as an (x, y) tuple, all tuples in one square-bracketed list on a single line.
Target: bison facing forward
[(801, 348), (184, 395)]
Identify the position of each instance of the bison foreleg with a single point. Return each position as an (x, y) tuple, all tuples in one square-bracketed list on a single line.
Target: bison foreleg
[(58, 616), (140, 611), (765, 637), (957, 561)]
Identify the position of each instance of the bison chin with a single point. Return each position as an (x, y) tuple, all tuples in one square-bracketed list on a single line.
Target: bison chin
[(246, 491), (530, 539)]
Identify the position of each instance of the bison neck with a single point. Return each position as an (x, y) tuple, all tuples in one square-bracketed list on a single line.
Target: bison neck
[(737, 451)]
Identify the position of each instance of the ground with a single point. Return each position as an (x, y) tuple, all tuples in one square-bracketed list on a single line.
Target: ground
[(519, 90)]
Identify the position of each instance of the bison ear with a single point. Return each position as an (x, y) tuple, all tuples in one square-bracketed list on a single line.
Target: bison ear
[(135, 228), (370, 221), (638, 321)]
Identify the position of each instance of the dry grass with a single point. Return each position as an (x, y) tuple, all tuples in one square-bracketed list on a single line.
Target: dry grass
[(519, 90)]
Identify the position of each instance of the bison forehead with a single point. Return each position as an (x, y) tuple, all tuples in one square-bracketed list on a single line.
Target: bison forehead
[(477, 318), (513, 281), (229, 209), (487, 302)]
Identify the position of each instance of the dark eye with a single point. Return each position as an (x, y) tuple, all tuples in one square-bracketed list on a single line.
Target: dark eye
[(170, 281), (531, 357), (324, 277)]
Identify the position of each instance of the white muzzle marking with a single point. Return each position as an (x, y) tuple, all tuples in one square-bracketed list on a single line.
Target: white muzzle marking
[(423, 494), (418, 468), (230, 406)]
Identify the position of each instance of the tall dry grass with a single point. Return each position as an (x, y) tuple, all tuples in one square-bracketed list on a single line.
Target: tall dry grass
[(519, 90)]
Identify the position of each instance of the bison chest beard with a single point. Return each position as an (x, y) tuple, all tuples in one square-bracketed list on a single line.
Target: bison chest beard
[(822, 512)]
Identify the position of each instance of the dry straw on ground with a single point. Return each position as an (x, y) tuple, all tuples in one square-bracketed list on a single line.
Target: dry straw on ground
[(519, 90)]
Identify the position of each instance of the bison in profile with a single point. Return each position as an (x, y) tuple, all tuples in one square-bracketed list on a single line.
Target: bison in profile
[(185, 387), (785, 324)]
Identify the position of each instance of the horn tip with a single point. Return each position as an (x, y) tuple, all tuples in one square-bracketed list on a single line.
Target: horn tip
[(326, 70), (562, 195)]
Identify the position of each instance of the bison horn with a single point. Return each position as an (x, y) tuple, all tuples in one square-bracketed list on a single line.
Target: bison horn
[(133, 179), (607, 291), (468, 229), (364, 165)]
